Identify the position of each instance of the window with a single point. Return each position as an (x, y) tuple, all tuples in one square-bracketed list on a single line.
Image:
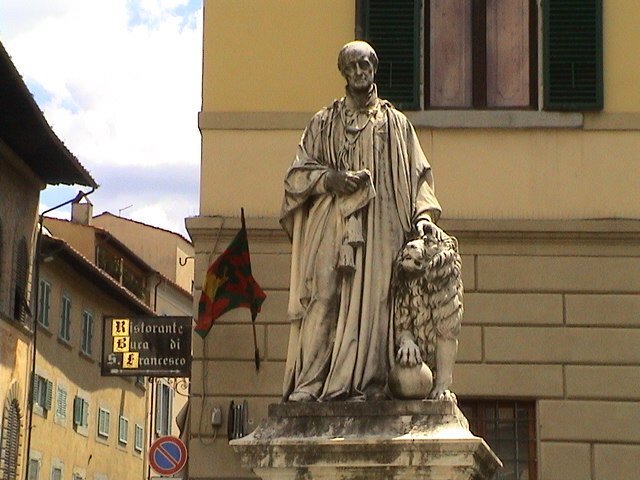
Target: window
[(122, 270), (103, 423), (34, 469), (164, 404), (87, 332), (123, 430), (139, 438), (80, 414), (20, 287), (42, 393), (56, 473), (65, 319), (509, 427), (483, 54), (140, 381), (10, 445), (486, 59), (61, 405), (44, 302)]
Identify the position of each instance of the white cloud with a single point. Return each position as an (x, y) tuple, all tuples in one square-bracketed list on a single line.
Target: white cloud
[(119, 82)]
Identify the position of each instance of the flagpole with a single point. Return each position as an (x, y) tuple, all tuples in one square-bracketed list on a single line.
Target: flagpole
[(256, 353)]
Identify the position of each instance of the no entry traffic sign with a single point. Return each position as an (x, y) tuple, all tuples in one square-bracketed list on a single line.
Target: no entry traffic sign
[(168, 455)]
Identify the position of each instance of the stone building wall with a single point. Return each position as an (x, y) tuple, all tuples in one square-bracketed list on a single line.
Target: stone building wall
[(551, 315)]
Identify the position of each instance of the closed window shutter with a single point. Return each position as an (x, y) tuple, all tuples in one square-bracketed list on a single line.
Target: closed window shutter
[(85, 413), (35, 398), (61, 403), (56, 474), (159, 410), (77, 411), (392, 27), (10, 441), (48, 395), (573, 55)]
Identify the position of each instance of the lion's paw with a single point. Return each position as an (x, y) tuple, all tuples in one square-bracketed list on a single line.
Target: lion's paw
[(409, 354)]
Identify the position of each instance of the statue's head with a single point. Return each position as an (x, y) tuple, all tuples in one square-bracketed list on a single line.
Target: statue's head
[(358, 63)]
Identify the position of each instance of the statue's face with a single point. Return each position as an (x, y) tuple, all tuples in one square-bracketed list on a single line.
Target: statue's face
[(358, 70)]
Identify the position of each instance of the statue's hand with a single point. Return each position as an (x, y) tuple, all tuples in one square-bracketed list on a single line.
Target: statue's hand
[(408, 354), (342, 183), (427, 227)]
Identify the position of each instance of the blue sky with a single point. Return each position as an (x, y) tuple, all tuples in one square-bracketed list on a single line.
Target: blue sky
[(119, 81)]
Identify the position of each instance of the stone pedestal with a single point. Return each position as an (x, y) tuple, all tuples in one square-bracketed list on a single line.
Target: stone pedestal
[(366, 441)]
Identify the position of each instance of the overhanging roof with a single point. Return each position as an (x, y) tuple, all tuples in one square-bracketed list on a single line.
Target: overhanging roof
[(59, 248), (25, 130)]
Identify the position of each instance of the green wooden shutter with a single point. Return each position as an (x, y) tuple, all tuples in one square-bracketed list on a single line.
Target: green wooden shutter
[(573, 54), (85, 412), (61, 402), (392, 27), (35, 389), (48, 394), (77, 411)]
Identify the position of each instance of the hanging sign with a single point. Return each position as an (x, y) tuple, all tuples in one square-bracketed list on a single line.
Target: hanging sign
[(146, 346)]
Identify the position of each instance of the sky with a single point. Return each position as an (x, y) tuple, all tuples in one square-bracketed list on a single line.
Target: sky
[(119, 81)]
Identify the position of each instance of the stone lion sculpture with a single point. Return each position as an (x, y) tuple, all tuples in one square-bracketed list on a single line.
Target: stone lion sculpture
[(427, 313)]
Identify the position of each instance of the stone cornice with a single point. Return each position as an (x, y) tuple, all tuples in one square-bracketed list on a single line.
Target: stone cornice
[(508, 119), (456, 119), (205, 228)]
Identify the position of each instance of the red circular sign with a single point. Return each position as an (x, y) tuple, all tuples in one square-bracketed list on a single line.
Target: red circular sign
[(168, 455)]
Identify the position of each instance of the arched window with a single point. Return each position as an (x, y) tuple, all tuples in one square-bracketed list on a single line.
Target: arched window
[(20, 291), (10, 443)]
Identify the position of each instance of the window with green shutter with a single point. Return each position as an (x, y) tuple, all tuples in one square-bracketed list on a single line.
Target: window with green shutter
[(61, 405), (34, 469), (56, 472), (44, 303), (483, 54), (65, 319), (80, 414), (123, 430), (87, 332), (392, 27), (573, 54), (139, 438), (42, 394), (103, 422)]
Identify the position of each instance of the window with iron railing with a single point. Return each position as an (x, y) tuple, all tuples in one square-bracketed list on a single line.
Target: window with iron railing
[(509, 428)]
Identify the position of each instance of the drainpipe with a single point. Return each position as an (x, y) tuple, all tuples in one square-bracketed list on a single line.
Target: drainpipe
[(155, 294)]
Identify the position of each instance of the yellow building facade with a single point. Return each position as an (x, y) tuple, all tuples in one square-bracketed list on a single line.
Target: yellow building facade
[(85, 426), (31, 157), (543, 202)]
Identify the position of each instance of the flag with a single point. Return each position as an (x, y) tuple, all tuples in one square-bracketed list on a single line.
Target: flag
[(229, 284)]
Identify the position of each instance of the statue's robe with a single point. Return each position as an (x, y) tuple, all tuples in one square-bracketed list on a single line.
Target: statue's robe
[(343, 246)]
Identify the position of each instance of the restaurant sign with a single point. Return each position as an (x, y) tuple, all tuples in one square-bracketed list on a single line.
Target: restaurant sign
[(146, 346)]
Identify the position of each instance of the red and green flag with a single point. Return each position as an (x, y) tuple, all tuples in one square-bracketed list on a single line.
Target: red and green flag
[(229, 284)]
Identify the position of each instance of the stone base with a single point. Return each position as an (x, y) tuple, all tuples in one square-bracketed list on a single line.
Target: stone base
[(366, 440)]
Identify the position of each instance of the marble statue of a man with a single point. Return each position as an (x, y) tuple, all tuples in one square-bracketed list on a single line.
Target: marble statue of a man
[(359, 185)]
